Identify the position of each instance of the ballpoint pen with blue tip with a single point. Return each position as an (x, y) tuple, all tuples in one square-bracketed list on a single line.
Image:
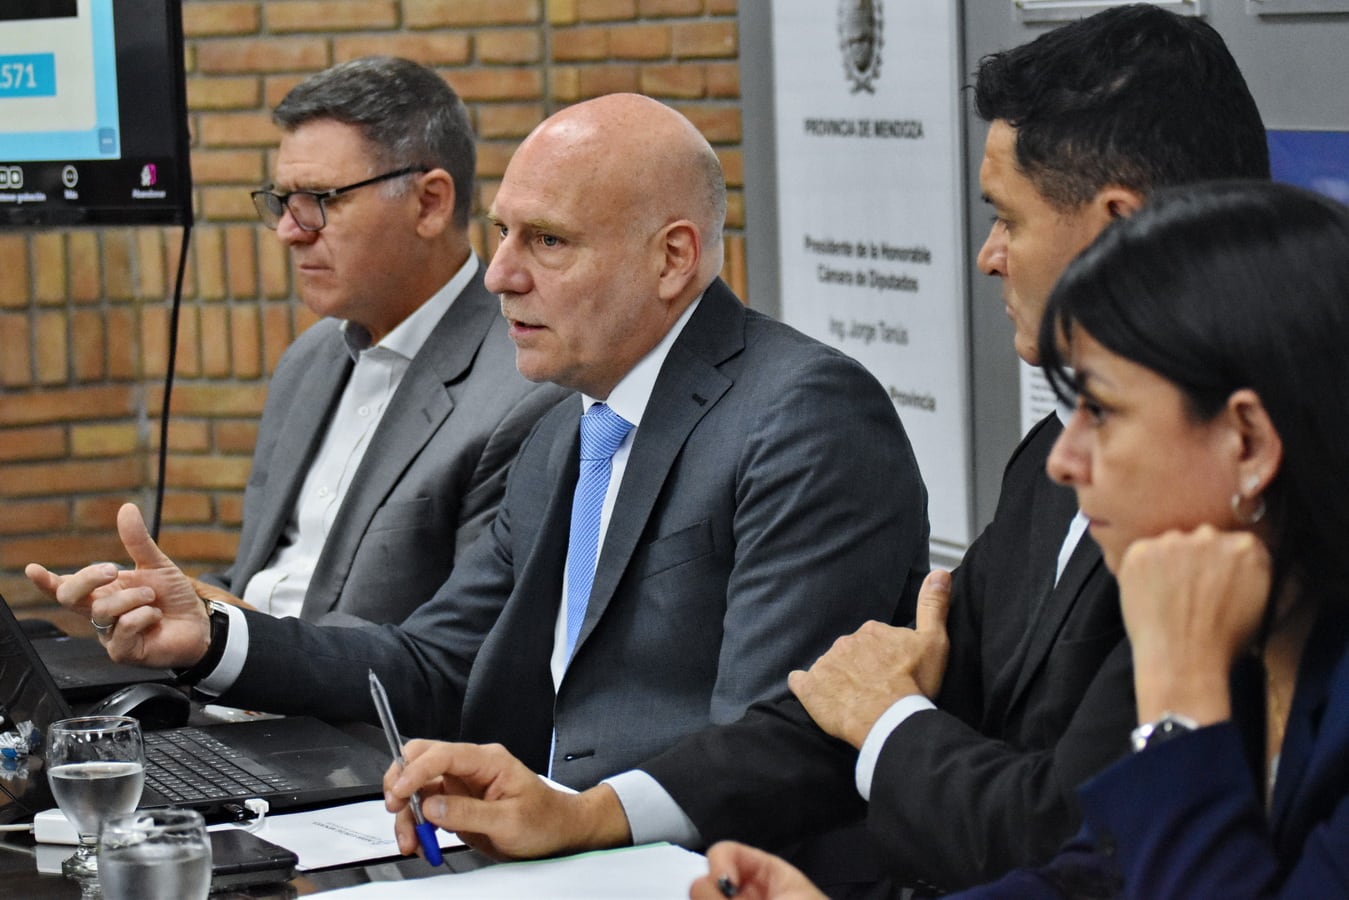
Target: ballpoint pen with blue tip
[(426, 832)]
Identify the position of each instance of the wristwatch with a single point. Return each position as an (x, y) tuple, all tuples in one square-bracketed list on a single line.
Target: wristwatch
[(1161, 730), (220, 626)]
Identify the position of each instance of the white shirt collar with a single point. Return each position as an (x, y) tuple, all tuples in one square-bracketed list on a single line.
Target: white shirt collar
[(630, 396), (408, 336)]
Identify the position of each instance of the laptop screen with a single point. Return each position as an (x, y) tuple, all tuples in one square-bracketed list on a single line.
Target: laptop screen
[(29, 703)]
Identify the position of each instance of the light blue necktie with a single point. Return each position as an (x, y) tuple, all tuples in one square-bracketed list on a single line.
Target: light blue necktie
[(602, 430)]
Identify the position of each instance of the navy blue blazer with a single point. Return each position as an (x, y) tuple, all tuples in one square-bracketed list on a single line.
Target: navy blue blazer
[(1187, 818)]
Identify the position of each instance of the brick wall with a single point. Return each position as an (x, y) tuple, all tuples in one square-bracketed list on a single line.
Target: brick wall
[(84, 313)]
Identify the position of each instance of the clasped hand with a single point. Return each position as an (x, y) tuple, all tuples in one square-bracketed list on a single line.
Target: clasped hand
[(159, 619), (864, 673)]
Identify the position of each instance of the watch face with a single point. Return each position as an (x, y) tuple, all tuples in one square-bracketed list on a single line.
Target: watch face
[(1150, 734)]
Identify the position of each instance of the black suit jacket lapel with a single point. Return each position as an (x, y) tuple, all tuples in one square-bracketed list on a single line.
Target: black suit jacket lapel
[(1044, 629)]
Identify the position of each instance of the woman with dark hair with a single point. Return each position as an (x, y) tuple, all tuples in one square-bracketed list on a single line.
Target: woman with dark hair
[(1205, 343)]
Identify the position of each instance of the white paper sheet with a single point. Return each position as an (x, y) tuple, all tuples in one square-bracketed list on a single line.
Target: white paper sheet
[(649, 872), (339, 835)]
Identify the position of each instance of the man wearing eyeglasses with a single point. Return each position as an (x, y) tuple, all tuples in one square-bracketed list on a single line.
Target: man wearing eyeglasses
[(389, 424)]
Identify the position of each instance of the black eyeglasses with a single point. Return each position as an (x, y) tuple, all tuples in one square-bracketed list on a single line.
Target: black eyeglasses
[(307, 207)]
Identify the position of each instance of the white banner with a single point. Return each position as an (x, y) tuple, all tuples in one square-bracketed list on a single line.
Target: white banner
[(870, 204)]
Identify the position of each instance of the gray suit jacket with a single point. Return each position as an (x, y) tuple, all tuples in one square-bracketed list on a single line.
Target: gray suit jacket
[(770, 503), (429, 482)]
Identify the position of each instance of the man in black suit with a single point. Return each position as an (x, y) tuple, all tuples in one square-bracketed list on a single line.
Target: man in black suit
[(972, 732)]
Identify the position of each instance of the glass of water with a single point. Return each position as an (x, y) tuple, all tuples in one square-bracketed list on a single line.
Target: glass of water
[(160, 854), (96, 766)]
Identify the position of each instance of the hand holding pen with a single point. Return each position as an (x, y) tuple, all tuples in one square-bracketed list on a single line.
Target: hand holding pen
[(426, 832)]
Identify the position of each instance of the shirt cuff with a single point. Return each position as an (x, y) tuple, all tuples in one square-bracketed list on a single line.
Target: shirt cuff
[(870, 753), (653, 815), (223, 676)]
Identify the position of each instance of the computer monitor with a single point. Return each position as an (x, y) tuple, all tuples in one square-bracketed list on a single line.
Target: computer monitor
[(93, 114)]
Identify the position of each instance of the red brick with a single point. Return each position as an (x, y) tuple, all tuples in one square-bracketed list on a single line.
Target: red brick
[(210, 399), (88, 344), (599, 80), (218, 92), (508, 120), (428, 48), (733, 166), (277, 333), (235, 435), (656, 9), (719, 124), (49, 267), (275, 87), (209, 257), (723, 80), (16, 362), (245, 348), (184, 507), (460, 13), (215, 350), (274, 268), (150, 253), (117, 268), (227, 204), (241, 258), (68, 477), (207, 472), (117, 440), (238, 167), (37, 442), (33, 517), (515, 45), (209, 19), (90, 402), (252, 129), (86, 279), (262, 55), (200, 550), (185, 435), (49, 337), (476, 85), (705, 39), (586, 44), (605, 10), (123, 345), (562, 12), (63, 552), (640, 41), (330, 15), (681, 81), (230, 508), (14, 289)]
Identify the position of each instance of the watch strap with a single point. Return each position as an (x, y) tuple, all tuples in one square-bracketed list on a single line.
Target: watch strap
[(220, 624)]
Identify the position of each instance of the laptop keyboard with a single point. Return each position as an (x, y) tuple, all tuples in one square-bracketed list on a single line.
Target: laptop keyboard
[(187, 765)]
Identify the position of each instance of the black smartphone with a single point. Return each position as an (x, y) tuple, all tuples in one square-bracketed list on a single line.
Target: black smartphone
[(240, 858)]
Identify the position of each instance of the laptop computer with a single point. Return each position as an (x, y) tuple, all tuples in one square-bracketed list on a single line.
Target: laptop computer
[(83, 671), (292, 762)]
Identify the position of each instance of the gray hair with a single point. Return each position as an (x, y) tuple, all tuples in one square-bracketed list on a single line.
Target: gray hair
[(407, 113)]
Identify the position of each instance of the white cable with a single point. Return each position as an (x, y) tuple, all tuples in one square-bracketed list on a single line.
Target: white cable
[(259, 808)]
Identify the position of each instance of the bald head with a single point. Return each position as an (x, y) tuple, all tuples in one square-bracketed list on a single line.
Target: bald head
[(643, 157), (609, 217)]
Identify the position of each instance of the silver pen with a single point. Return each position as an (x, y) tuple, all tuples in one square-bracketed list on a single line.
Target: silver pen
[(426, 832)]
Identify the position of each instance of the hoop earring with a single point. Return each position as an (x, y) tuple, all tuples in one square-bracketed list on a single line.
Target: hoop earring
[(1256, 515)]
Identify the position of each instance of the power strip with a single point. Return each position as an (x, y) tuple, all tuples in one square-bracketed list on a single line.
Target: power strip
[(52, 827)]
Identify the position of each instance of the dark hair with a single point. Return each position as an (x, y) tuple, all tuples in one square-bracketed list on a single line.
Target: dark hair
[(1133, 96), (408, 114), (1223, 286)]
